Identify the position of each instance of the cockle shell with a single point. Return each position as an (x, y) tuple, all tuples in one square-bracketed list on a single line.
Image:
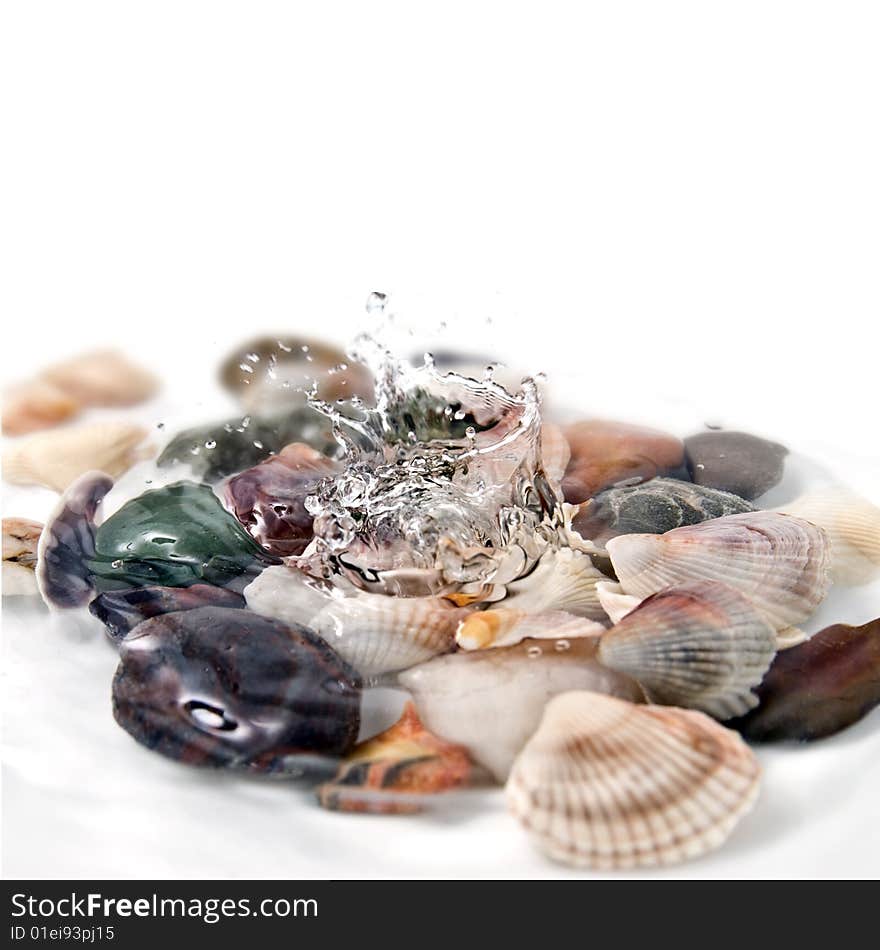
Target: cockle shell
[(505, 627), (736, 462), (610, 785), (780, 563), (614, 601), (103, 378), (653, 507), (396, 772), (853, 528), (491, 701), (604, 453), (217, 686), (818, 688), (20, 539), (375, 633), (56, 459), (269, 499), (37, 404), (563, 579), (700, 645)]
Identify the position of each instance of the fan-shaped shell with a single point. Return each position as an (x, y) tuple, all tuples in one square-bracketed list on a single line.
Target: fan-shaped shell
[(491, 701), (779, 562), (563, 579), (700, 645), (506, 627), (607, 784), (103, 378)]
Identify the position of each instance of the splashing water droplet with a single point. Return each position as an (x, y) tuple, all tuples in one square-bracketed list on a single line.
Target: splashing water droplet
[(376, 302), (211, 444)]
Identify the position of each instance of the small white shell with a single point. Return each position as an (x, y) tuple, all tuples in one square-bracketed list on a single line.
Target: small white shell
[(56, 459), (614, 601), (491, 701), (780, 563), (700, 645), (609, 785), (563, 579), (852, 524), (503, 628), (375, 633)]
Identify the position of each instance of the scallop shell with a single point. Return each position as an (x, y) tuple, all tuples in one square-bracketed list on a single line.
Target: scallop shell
[(780, 563), (502, 628), (491, 701), (853, 528), (396, 772), (37, 404), (103, 378), (56, 459), (700, 645), (563, 579), (614, 601), (67, 543), (374, 633), (20, 540), (609, 785)]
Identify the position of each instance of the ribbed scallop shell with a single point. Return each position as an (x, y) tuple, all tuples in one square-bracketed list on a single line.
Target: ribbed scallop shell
[(853, 528), (610, 785), (502, 628), (491, 701), (563, 579), (779, 562), (699, 645)]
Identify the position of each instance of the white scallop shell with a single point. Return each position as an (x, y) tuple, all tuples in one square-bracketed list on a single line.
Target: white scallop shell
[(563, 579), (491, 701), (779, 562), (700, 645), (502, 627), (609, 785), (852, 524)]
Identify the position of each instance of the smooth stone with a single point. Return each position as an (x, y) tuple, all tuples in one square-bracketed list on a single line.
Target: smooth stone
[(221, 687), (736, 462), (653, 507), (173, 537), (817, 688)]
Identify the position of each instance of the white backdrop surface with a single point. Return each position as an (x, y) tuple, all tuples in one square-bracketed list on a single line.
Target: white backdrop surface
[(669, 208)]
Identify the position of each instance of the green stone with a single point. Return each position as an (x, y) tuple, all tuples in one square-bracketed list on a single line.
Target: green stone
[(173, 536)]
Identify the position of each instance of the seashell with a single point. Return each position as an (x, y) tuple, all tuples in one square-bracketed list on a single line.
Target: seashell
[(20, 539), (736, 462), (818, 688), (271, 373), (700, 645), (57, 459), (103, 378), (122, 610), (395, 772), (504, 627), (609, 785), (653, 507), (853, 528), (36, 404), (269, 499), (224, 448), (491, 701), (563, 579), (215, 686), (604, 453), (375, 633), (173, 537), (780, 563), (614, 601), (67, 543)]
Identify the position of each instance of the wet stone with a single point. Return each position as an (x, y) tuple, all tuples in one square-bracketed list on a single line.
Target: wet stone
[(736, 462)]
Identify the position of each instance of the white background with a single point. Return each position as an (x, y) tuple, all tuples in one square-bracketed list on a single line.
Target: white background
[(670, 207)]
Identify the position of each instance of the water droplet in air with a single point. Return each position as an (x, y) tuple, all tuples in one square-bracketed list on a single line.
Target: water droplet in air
[(258, 444), (160, 425), (376, 302)]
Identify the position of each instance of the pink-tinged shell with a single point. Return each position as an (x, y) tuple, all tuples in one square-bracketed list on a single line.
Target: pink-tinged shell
[(610, 785), (397, 772), (604, 452), (488, 629), (37, 404), (699, 645), (103, 378), (780, 563)]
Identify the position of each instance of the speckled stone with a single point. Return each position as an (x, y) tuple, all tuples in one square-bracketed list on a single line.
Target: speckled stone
[(736, 462)]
